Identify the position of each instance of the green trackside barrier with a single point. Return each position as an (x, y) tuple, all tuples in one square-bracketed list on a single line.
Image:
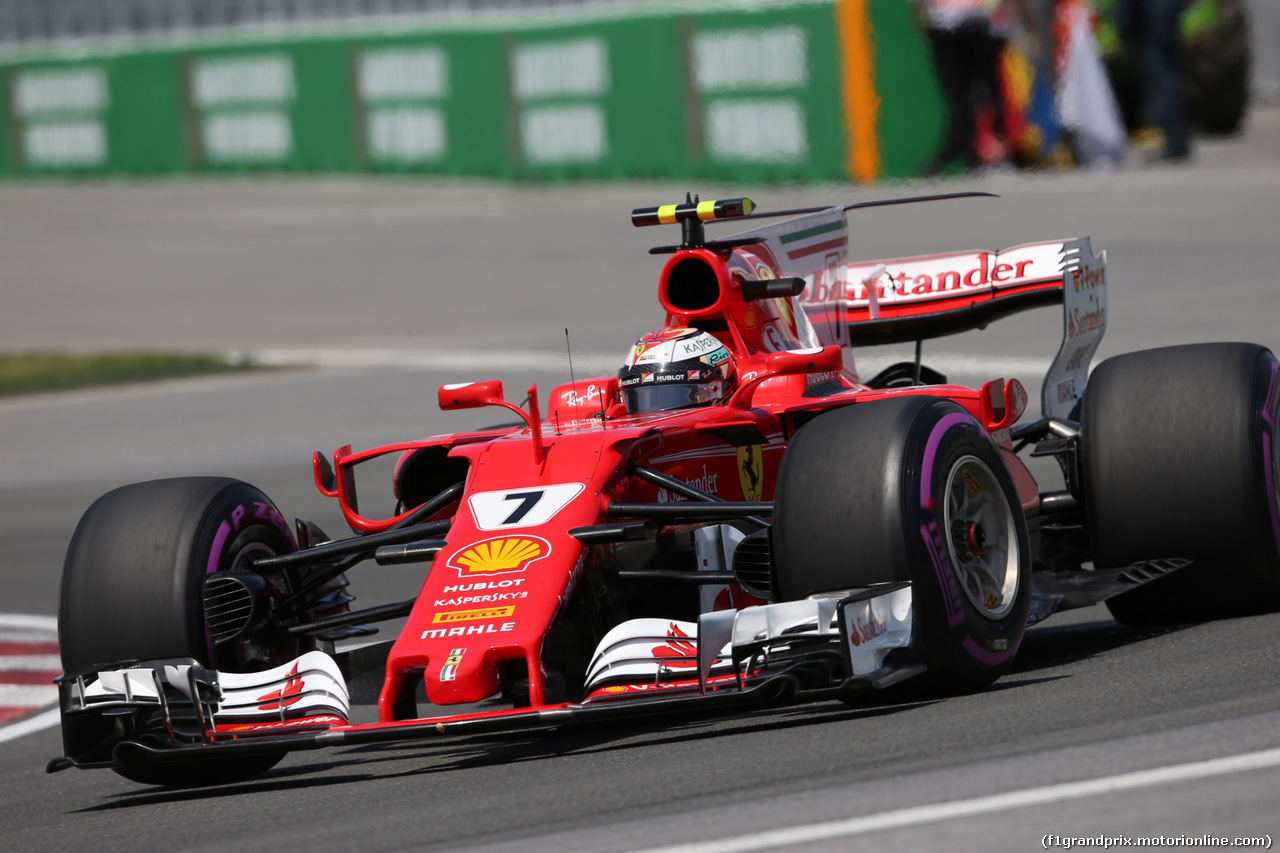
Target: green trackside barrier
[(600, 101), (912, 113), (114, 115), (276, 107), (144, 124), (56, 117), (762, 99), (613, 99), (729, 92), (428, 103)]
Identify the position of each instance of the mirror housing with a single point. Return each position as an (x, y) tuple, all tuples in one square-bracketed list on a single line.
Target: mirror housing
[(326, 480), (477, 395), (470, 395), (1001, 403)]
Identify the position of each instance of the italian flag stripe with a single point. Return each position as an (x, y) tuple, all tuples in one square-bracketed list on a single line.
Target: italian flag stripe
[(812, 232), (815, 248)]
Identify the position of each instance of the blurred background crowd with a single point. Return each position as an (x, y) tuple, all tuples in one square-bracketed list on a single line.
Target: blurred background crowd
[(1107, 71)]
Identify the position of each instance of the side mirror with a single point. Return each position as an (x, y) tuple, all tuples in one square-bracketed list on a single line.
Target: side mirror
[(470, 395), (326, 480), (477, 395), (1001, 403)]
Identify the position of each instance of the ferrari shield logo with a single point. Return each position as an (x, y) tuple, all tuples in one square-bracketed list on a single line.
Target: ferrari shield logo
[(751, 472)]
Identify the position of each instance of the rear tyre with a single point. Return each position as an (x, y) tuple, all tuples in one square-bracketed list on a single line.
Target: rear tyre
[(132, 589), (1179, 459), (910, 489)]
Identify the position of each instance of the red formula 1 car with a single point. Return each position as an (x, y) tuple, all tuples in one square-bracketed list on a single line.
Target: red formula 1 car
[(734, 519)]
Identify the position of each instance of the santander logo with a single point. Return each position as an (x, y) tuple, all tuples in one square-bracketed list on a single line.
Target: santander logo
[(865, 630), (285, 696)]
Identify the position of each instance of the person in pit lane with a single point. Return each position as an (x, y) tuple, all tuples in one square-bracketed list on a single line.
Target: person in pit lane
[(675, 368)]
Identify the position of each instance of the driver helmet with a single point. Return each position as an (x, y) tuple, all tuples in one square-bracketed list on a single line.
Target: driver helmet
[(675, 368)]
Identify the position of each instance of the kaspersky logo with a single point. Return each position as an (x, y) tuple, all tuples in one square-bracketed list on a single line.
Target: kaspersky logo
[(500, 555), (285, 696)]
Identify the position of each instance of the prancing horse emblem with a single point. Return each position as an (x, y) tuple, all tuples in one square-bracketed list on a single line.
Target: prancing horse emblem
[(751, 472)]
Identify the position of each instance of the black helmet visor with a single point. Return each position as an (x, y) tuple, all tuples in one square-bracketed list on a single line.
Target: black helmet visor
[(661, 398)]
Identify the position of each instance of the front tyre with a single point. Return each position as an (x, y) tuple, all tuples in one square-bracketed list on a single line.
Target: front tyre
[(910, 489), (132, 589)]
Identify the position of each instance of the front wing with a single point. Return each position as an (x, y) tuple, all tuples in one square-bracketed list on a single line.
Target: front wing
[(176, 710)]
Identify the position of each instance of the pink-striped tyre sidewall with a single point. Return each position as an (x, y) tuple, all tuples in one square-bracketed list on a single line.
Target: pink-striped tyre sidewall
[(874, 493)]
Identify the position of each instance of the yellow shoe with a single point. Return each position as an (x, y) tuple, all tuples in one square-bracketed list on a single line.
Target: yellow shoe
[(1147, 139)]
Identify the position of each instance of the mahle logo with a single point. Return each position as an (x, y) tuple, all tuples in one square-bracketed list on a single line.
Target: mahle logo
[(501, 555)]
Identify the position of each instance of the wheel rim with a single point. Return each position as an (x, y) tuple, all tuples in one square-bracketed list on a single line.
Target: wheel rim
[(983, 540), (256, 651)]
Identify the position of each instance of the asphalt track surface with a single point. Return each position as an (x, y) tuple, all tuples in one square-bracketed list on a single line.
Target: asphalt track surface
[(397, 287)]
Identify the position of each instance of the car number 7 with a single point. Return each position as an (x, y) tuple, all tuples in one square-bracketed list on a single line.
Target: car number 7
[(527, 507), (527, 502)]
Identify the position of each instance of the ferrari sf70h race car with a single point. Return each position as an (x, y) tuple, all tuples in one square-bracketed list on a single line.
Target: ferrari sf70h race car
[(735, 519)]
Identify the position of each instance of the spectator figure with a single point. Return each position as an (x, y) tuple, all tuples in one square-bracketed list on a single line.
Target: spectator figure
[(1150, 28), (1086, 103), (967, 37)]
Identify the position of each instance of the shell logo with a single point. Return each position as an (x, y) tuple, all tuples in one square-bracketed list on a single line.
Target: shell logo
[(501, 555)]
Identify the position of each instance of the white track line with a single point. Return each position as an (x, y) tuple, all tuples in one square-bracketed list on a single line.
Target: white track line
[(30, 725), (27, 695), (921, 815), (28, 621), (30, 663)]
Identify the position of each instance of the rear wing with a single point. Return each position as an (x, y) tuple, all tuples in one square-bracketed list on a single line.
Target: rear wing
[(894, 300)]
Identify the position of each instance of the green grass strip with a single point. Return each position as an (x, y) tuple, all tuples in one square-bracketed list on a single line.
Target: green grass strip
[(39, 371)]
